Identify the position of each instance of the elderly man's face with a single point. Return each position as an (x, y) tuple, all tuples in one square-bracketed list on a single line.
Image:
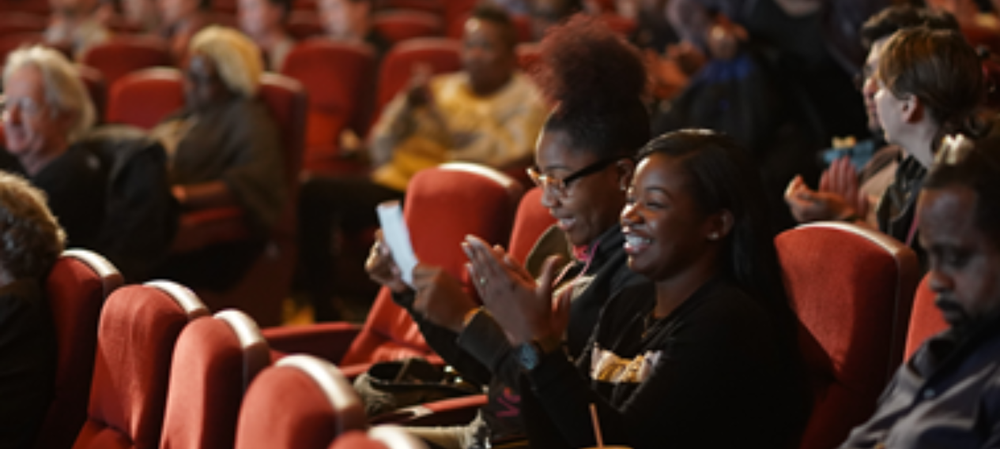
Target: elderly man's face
[(31, 127), (964, 261)]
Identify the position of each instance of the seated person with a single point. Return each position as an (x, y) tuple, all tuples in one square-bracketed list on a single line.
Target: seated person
[(180, 20), (545, 14), (351, 21), (916, 105), (488, 113), (584, 161), (107, 186), (33, 241), (946, 394), (75, 23), (877, 158), (223, 149), (263, 21), (709, 341)]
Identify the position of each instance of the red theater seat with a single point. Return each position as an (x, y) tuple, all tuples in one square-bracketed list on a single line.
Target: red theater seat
[(925, 319), (443, 205), (299, 403), (135, 345), (401, 25), (19, 22), (442, 55), (214, 362), (851, 288), (76, 289), (146, 97), (304, 24), (531, 222), (336, 75), (122, 55), (379, 437)]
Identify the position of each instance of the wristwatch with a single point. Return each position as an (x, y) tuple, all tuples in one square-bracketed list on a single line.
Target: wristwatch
[(530, 354)]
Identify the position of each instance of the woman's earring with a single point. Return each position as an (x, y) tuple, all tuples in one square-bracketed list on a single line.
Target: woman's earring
[(713, 236)]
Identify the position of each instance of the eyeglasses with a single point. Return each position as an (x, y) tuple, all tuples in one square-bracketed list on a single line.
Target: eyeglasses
[(27, 105), (558, 186)]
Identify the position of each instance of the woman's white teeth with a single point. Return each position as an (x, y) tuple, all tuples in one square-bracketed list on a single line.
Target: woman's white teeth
[(635, 240)]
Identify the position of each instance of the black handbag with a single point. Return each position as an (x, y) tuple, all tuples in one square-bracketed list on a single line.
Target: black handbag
[(388, 386)]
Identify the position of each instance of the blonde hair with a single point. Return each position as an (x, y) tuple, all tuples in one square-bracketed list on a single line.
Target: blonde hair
[(237, 59), (64, 90)]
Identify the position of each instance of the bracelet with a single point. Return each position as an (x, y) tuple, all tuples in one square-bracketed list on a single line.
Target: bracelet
[(467, 318)]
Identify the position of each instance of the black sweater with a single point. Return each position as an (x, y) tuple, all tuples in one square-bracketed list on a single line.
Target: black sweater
[(712, 377)]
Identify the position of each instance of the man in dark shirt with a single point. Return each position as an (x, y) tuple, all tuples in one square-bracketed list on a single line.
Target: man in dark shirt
[(948, 393), (106, 187)]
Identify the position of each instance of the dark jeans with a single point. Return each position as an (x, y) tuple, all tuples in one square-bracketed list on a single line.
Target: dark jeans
[(327, 207)]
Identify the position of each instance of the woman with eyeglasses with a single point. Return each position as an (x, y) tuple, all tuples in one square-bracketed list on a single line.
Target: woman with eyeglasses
[(583, 165), (703, 357)]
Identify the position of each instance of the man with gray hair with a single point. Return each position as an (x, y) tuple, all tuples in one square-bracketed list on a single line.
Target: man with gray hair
[(107, 187)]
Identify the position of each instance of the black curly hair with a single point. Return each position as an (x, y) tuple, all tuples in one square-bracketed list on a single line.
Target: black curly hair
[(596, 80), (30, 237)]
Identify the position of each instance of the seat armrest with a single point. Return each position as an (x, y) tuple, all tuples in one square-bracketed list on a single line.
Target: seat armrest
[(454, 411), (201, 228), (328, 341)]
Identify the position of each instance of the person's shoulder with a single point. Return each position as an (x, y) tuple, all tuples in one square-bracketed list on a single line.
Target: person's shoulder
[(727, 302)]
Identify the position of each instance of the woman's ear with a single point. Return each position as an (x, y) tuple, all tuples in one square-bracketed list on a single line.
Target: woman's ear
[(626, 169), (719, 225)]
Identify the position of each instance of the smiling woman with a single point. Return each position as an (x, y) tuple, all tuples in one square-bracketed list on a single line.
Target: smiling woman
[(708, 342)]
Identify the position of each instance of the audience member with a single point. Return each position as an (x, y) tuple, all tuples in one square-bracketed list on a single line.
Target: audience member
[(224, 150), (107, 186), (32, 241), (488, 113), (878, 159), (141, 13), (263, 21), (351, 21), (709, 341), (75, 23), (928, 84), (182, 19), (945, 395), (584, 162), (546, 14)]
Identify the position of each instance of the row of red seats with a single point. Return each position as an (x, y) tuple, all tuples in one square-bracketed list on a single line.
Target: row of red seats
[(157, 371), (129, 394)]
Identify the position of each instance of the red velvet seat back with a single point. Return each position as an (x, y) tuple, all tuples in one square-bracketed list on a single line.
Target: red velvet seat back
[(145, 97), (443, 205), (442, 55), (97, 89), (304, 24), (214, 361), (19, 22), (301, 402), (122, 55), (379, 437), (925, 319), (135, 345), (851, 289), (336, 75), (76, 289), (531, 221), (401, 25)]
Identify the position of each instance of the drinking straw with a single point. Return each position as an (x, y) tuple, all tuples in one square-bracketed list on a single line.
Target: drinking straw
[(597, 425)]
